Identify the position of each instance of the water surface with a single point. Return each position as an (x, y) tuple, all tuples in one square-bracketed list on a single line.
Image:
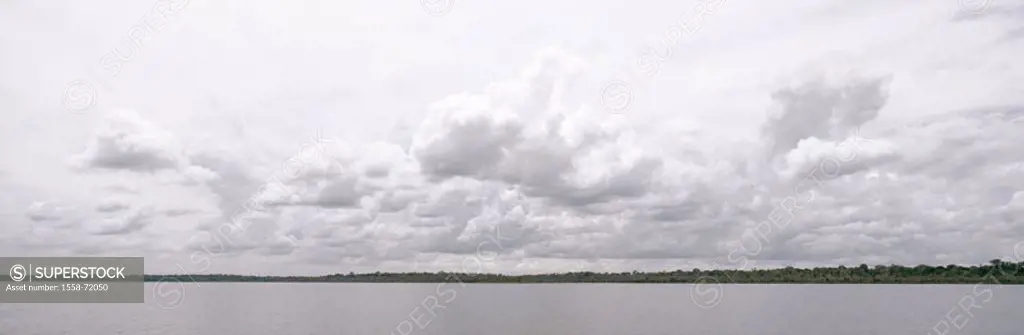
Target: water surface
[(494, 309)]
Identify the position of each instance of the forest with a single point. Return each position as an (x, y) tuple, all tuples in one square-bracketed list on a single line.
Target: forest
[(996, 272)]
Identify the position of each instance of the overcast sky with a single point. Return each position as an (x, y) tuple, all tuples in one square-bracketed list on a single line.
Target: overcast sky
[(310, 137)]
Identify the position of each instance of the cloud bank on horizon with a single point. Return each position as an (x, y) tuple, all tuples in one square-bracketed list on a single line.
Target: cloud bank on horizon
[(324, 137)]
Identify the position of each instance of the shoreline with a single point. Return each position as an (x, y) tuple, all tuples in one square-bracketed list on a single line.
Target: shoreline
[(996, 273), (603, 283)]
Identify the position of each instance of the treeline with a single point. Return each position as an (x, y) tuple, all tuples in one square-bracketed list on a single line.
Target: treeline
[(996, 272)]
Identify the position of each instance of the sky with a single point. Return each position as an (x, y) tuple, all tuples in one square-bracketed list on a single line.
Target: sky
[(314, 137)]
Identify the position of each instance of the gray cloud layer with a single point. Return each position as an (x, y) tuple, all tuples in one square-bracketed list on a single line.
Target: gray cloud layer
[(867, 160)]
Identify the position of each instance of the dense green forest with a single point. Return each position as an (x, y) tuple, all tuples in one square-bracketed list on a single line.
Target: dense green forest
[(996, 272)]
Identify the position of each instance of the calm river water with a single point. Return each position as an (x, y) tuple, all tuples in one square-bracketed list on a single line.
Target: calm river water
[(592, 309)]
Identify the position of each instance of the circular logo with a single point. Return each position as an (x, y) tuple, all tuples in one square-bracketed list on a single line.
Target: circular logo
[(616, 96), (79, 96), (18, 272), (168, 292), (706, 292), (974, 6), (437, 7)]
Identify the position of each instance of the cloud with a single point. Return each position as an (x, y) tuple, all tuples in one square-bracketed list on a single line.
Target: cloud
[(566, 184), (835, 159), (111, 205), (42, 211), (128, 142), (898, 144), (122, 189), (823, 110), (175, 212), (517, 132), (125, 224)]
